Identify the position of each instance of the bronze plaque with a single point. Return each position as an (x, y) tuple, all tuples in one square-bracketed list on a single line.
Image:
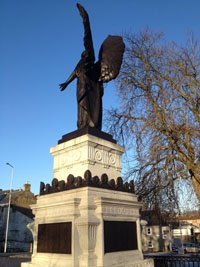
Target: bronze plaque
[(55, 238), (119, 236)]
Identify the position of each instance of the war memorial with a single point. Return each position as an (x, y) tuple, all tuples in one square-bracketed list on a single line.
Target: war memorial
[(87, 216)]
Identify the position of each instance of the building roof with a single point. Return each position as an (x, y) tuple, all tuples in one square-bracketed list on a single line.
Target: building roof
[(20, 198), (4, 196), (193, 215), (153, 217)]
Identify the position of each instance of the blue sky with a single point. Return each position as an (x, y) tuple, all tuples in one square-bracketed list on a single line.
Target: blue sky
[(41, 42)]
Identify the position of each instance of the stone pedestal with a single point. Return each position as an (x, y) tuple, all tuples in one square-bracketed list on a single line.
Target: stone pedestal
[(85, 150), (88, 209), (89, 221)]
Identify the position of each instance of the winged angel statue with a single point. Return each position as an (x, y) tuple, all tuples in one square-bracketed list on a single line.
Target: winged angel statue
[(91, 76)]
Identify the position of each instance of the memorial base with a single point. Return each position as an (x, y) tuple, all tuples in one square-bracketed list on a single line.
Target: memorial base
[(87, 227), (89, 220)]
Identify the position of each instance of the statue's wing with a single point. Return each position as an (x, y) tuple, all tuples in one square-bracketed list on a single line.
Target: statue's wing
[(89, 50), (110, 58)]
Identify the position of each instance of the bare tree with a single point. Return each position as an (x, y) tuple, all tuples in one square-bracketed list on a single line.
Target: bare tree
[(159, 113)]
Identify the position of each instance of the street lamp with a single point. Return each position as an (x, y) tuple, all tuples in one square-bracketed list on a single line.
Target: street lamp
[(8, 214)]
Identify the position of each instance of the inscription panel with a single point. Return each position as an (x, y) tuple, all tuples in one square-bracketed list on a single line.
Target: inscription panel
[(119, 236), (55, 212), (116, 210), (55, 238)]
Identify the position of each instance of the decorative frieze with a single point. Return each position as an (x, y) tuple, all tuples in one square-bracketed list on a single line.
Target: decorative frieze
[(86, 152), (88, 180)]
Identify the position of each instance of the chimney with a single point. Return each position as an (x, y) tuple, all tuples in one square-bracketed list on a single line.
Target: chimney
[(27, 186)]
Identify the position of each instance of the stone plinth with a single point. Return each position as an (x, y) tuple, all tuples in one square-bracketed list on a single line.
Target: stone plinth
[(92, 213), (87, 216), (87, 149)]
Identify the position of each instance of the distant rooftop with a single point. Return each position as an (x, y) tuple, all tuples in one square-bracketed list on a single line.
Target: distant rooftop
[(21, 197)]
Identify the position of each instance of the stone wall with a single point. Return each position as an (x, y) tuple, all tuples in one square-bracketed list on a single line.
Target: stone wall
[(13, 260)]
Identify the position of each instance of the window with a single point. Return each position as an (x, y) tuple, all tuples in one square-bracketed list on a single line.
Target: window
[(150, 244), (165, 233), (149, 231)]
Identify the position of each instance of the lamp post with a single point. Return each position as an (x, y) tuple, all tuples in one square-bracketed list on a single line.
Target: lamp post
[(8, 214)]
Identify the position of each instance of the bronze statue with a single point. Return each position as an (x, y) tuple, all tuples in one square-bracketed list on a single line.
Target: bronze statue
[(91, 75)]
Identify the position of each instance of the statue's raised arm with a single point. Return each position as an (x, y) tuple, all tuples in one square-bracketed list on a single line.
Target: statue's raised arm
[(91, 76), (87, 39)]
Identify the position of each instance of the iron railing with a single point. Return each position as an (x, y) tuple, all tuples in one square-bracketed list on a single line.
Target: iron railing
[(176, 260)]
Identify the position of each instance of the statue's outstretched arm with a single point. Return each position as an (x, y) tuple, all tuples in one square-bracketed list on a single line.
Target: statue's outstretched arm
[(68, 81)]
